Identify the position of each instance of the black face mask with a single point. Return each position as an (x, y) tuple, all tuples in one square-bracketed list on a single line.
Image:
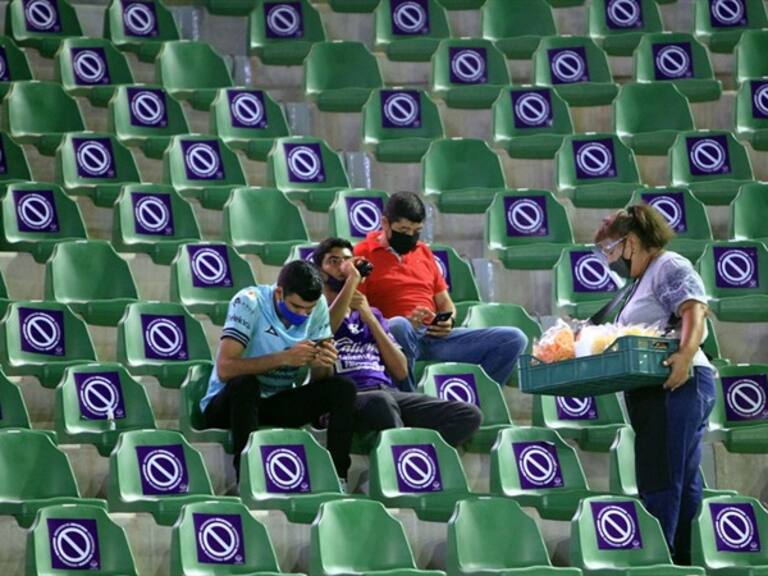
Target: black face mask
[(403, 243), (335, 284), (622, 267)]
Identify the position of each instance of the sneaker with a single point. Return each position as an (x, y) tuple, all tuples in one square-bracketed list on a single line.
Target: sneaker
[(344, 486)]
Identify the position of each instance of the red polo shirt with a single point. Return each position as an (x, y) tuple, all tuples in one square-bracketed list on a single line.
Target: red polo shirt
[(399, 284)]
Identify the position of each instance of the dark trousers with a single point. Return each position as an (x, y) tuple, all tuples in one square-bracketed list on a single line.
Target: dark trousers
[(241, 408), (669, 427)]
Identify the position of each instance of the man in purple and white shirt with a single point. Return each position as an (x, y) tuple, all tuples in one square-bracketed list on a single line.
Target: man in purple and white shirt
[(368, 355)]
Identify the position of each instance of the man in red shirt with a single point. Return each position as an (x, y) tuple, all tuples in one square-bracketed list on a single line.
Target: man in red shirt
[(408, 288)]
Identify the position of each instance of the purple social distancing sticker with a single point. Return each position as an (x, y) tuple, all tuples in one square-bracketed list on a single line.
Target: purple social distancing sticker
[(538, 466), (5, 73), (457, 388), (417, 468), (100, 395), (589, 273), (139, 19), (90, 66), (209, 265), (74, 544), (247, 109), (42, 16), (468, 65), (623, 14), (42, 331), (759, 99), (364, 215), (736, 267), (36, 211), (162, 470), (3, 160), (735, 527), (165, 337), (202, 160), (728, 13), (672, 60), (285, 469), (616, 526), (569, 408), (400, 109), (526, 216), (443, 265), (594, 159), (568, 65), (532, 108), (304, 163), (283, 20), (409, 17), (708, 155), (671, 206), (219, 538), (152, 214), (94, 158), (746, 397), (147, 107)]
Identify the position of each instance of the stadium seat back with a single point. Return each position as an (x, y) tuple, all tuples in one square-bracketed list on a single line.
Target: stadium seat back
[(461, 163), (570, 415), (593, 159), (457, 273), (750, 62), (13, 409), (192, 71), (43, 27), (410, 33), (516, 26), (594, 62), (720, 26), (619, 29), (140, 27), (734, 268), (706, 155), (303, 163), (14, 63), (282, 34), (749, 211), (752, 113), (355, 213), (582, 282), (739, 389), (191, 420), (13, 161), (91, 67), (495, 314)]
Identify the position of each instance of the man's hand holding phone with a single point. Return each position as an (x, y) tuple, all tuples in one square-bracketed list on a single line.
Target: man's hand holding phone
[(441, 325), (326, 354)]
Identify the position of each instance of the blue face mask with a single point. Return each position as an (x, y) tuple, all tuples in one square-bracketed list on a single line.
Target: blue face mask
[(290, 316)]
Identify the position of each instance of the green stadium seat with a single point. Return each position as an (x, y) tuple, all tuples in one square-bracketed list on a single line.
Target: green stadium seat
[(192, 71), (740, 417), (592, 421), (146, 117), (161, 340), (679, 59), (262, 221), (70, 276), (205, 276), (527, 229), (713, 164), (468, 73), (399, 125), (157, 472), (496, 314), (197, 545), (41, 339), (13, 410), (582, 283), (95, 403), (248, 120), (686, 216), (596, 171), (457, 272), (530, 122), (96, 165), (647, 117), (750, 51), (618, 29), (749, 213), (37, 216), (154, 220), (41, 26), (462, 4), (72, 538), (720, 24), (537, 468), (576, 68), (191, 422), (40, 113), (360, 537), (615, 535), (13, 64), (204, 168), (471, 384), (282, 34), (13, 162), (516, 26), (412, 32), (140, 27), (711, 346), (307, 170), (230, 7), (461, 175), (567, 3), (415, 468), (339, 76), (728, 537), (351, 6), (24, 490), (355, 213), (287, 470), (752, 113), (302, 252)]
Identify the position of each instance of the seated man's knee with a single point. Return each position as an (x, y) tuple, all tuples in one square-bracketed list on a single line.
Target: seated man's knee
[(509, 339), (378, 411), (344, 390), (244, 387), (401, 328)]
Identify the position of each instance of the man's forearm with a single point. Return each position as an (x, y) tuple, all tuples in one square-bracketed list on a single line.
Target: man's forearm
[(393, 358), (337, 311), (229, 368)]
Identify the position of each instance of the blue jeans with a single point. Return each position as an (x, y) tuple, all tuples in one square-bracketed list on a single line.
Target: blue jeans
[(495, 349), (669, 427)]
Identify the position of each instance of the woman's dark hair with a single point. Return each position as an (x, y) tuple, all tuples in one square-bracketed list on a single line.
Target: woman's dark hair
[(405, 206), (326, 246), (302, 278), (645, 221)]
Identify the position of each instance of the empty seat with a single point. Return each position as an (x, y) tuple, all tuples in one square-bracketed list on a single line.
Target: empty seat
[(41, 24), (339, 76), (462, 4), (191, 421), (720, 24), (146, 117), (399, 124), (13, 409), (471, 384), (461, 175), (95, 165), (157, 472), (206, 275), (154, 220), (14, 65), (70, 538), (618, 26), (648, 117), (202, 167), (306, 169), (530, 122), (302, 252), (679, 59), (749, 213), (229, 7), (582, 283), (96, 402), (596, 171), (527, 229), (262, 221), (458, 274), (248, 120), (41, 339), (355, 213), (139, 27), (713, 164), (35, 474), (468, 73), (496, 314), (750, 52), (409, 31), (161, 340), (282, 34), (517, 26), (752, 113), (686, 216), (192, 71), (90, 277), (576, 68), (35, 217), (13, 162)]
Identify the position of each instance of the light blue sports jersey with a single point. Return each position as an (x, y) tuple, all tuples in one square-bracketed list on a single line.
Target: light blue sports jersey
[(253, 321)]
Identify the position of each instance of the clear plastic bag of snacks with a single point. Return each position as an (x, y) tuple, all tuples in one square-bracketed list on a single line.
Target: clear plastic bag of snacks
[(556, 344)]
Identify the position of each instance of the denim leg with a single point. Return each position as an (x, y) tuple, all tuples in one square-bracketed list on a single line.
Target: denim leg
[(409, 339)]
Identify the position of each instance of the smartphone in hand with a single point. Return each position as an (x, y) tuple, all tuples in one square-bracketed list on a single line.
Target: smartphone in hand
[(441, 317)]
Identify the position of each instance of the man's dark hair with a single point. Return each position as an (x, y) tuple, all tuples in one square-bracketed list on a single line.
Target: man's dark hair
[(302, 278), (326, 246), (405, 206)]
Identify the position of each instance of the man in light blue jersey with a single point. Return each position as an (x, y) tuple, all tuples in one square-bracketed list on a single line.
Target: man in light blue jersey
[(270, 333)]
